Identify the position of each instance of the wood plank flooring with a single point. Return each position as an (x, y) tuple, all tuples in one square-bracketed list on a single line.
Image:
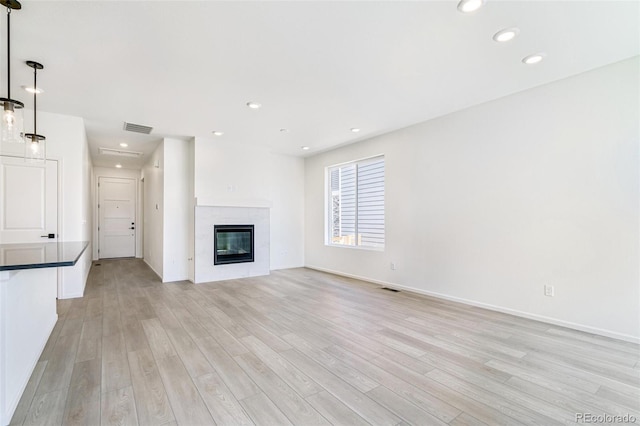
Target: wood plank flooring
[(303, 347)]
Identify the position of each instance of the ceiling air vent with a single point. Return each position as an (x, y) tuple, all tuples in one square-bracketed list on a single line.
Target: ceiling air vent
[(138, 128), (119, 152)]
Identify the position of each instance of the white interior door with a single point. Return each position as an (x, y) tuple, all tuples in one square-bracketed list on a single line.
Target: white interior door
[(29, 196), (116, 217)]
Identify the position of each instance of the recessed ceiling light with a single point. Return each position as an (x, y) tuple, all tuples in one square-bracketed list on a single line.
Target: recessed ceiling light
[(124, 144), (533, 59), (218, 133), (30, 89), (355, 130), (306, 148), (254, 105), (284, 130), (506, 34), (118, 166), (468, 6)]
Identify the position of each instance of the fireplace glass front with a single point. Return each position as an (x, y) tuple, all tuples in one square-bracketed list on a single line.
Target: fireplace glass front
[(232, 244)]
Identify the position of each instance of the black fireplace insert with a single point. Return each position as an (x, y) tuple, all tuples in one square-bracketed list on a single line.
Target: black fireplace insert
[(232, 244)]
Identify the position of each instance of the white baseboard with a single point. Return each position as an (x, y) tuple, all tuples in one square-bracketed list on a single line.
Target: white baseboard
[(528, 315), (281, 267), (71, 296)]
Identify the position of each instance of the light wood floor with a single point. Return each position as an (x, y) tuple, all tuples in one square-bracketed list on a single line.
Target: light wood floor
[(303, 347)]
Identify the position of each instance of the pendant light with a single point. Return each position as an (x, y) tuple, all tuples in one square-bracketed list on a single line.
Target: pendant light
[(11, 122), (35, 144)]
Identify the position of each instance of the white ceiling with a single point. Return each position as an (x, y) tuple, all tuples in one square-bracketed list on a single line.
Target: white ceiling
[(187, 68)]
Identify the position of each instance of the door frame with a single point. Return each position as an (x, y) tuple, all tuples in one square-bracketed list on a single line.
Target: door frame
[(136, 181)]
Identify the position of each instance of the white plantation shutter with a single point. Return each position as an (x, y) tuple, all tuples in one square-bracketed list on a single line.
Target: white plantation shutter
[(356, 203), (348, 203), (371, 203), (334, 203)]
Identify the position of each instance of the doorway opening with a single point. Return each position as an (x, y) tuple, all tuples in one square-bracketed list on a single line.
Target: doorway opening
[(116, 217)]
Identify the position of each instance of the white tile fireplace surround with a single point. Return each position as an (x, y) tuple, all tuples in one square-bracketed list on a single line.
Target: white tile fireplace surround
[(206, 218)]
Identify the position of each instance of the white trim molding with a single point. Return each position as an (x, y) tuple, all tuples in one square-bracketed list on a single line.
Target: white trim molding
[(517, 313)]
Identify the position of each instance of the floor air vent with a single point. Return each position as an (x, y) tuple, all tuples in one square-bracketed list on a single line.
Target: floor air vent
[(390, 289), (138, 128)]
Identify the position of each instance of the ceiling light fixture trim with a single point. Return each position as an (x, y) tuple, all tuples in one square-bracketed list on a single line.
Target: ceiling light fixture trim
[(470, 6), (534, 59), (254, 105), (505, 35)]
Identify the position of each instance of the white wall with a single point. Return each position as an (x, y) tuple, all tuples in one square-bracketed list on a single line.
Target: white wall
[(67, 143), (228, 174), (99, 172), (287, 212), (218, 175), (178, 212), (153, 174), (74, 279), (489, 204), (168, 210), (234, 176)]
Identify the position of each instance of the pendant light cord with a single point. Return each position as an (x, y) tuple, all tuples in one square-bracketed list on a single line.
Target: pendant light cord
[(35, 122), (8, 52)]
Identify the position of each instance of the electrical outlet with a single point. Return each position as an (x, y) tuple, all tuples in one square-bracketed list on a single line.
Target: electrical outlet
[(549, 290), (393, 266)]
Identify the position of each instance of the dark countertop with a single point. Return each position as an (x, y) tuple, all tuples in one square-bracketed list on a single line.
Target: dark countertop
[(40, 255)]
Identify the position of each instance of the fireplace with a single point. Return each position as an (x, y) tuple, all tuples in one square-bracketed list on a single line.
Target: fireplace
[(232, 244)]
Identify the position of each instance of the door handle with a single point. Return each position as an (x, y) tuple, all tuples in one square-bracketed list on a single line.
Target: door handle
[(48, 236)]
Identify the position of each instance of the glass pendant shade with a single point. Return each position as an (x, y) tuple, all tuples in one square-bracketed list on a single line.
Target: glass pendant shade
[(35, 148), (12, 121), (35, 144)]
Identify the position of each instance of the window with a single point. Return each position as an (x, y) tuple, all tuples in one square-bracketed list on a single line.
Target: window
[(356, 204)]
